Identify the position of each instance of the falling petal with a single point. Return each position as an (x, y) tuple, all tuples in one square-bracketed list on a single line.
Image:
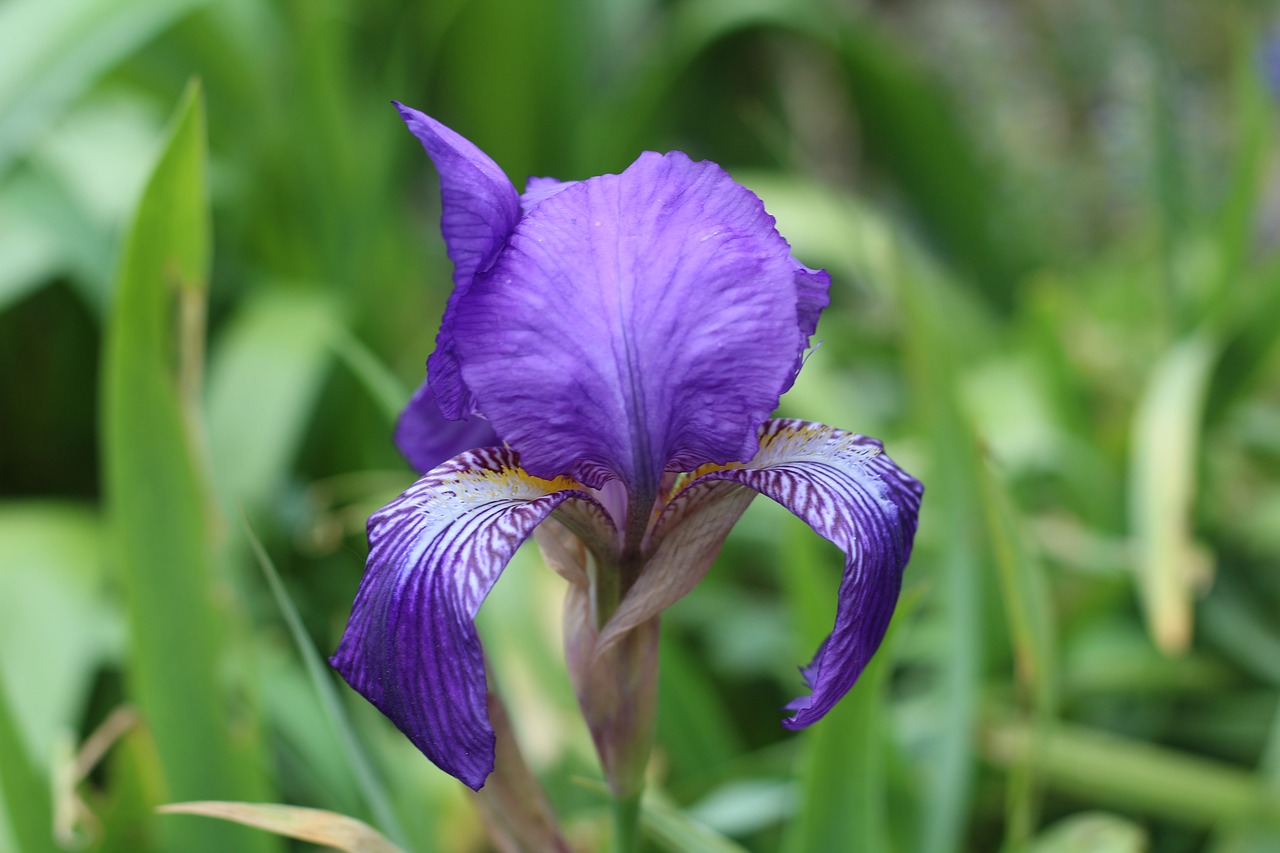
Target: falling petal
[(411, 646)]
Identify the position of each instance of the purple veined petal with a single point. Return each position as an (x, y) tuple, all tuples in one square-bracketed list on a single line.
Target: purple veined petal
[(411, 646), (851, 493), (426, 438), (635, 323), (479, 209), (538, 190), (812, 291)]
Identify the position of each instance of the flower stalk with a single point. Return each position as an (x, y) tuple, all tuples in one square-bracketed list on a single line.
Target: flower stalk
[(512, 803)]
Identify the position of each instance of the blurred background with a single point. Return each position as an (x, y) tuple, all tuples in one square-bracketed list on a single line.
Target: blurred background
[(1052, 230)]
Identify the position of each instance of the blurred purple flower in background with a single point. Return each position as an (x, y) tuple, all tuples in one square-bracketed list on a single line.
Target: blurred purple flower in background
[(616, 347), (1269, 60)]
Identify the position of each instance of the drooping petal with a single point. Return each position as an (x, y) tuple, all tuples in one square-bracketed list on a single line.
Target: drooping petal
[(479, 209), (851, 493), (634, 323), (411, 646), (427, 438)]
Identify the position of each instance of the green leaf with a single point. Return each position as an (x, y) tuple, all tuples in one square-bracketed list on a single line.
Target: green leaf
[(1253, 835), (1124, 773), (951, 511), (322, 684), (24, 792), (382, 386), (55, 50), (51, 587), (1253, 114), (912, 131), (1030, 617), (844, 798), (1092, 832), (672, 830), (157, 494), (695, 729), (1163, 459), (271, 362), (314, 825)]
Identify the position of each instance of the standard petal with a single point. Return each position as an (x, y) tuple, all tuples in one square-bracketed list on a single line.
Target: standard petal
[(479, 209), (427, 438), (411, 646), (538, 190), (851, 493), (812, 287), (634, 323)]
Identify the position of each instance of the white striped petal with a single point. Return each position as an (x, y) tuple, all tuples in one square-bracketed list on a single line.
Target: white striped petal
[(843, 486), (411, 646)]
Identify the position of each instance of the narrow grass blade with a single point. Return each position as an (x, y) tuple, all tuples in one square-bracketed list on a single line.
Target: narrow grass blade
[(1029, 615), (314, 825), (322, 683), (673, 831), (380, 383), (1253, 113), (1254, 835), (25, 795), (1121, 773), (910, 129), (1026, 594), (695, 729), (843, 800), (1163, 459), (158, 499), (951, 509)]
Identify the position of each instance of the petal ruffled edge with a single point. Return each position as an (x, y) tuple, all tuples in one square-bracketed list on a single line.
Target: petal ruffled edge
[(410, 646), (537, 190), (851, 493), (635, 324), (812, 297)]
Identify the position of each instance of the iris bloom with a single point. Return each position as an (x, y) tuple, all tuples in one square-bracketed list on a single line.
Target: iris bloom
[(614, 347)]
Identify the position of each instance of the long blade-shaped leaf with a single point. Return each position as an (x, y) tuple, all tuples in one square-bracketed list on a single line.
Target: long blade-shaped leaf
[(316, 825), (158, 500), (322, 683), (953, 482), (24, 794), (1166, 433)]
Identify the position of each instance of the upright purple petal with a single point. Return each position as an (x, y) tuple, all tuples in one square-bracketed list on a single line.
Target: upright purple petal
[(427, 438), (635, 323), (411, 646), (812, 288), (479, 209), (538, 190), (851, 493)]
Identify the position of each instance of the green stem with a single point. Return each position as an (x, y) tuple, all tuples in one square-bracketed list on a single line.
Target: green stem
[(1119, 772), (626, 824)]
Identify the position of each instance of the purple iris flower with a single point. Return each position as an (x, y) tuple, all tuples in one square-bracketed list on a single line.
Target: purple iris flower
[(614, 347)]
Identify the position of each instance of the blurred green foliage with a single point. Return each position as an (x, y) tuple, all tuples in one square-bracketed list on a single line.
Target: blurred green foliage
[(1052, 228)]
